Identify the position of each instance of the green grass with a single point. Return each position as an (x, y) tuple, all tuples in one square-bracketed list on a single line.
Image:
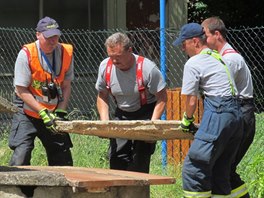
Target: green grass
[(251, 168), (90, 151)]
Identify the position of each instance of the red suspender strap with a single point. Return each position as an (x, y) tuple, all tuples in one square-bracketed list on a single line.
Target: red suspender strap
[(141, 87), (228, 51), (108, 74), (28, 54)]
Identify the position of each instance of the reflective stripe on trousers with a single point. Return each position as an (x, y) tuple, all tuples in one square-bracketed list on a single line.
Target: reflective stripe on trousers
[(239, 191), (189, 194), (235, 193), (221, 196), (207, 164)]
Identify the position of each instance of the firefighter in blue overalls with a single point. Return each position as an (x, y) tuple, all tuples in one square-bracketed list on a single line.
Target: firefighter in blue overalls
[(207, 166), (216, 34)]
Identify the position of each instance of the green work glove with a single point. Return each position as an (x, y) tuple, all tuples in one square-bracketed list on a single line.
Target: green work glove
[(48, 119), (61, 114), (187, 124)]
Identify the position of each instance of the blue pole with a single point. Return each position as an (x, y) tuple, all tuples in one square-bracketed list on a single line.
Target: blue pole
[(163, 71)]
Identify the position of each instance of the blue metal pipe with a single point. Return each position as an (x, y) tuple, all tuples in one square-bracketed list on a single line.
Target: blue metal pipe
[(163, 70)]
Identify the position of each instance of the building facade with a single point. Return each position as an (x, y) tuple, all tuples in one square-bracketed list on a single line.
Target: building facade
[(93, 14)]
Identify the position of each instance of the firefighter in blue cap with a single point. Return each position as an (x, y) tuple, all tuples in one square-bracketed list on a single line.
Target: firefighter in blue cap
[(208, 163)]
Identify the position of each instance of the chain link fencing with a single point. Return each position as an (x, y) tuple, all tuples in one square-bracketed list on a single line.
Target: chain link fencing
[(89, 51)]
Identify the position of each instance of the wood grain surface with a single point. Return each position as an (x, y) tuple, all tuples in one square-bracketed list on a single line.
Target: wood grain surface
[(133, 130)]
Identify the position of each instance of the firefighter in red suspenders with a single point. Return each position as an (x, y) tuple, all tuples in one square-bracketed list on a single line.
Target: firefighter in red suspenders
[(139, 93), (43, 75), (216, 39)]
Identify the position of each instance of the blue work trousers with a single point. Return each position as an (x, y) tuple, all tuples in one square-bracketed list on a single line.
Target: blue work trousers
[(248, 113), (208, 163), (132, 155), (25, 129)]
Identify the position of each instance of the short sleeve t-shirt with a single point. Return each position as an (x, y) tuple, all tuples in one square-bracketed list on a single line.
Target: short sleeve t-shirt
[(204, 73), (123, 84), (240, 70)]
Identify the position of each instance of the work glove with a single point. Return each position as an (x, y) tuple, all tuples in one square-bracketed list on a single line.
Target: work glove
[(187, 124), (61, 114), (48, 119)]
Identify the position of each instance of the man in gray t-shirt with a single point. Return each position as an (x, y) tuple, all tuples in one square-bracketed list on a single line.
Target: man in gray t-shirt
[(207, 165), (42, 80), (216, 38), (139, 93)]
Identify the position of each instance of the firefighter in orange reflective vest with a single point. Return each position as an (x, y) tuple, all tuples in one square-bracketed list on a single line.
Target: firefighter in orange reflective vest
[(43, 75)]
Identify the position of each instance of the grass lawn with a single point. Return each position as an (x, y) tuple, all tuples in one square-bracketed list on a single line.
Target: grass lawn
[(89, 151)]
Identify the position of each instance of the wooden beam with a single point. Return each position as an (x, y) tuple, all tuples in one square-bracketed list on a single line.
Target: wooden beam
[(7, 106), (98, 177), (133, 130)]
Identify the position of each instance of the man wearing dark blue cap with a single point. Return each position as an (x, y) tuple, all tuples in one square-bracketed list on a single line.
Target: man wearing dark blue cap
[(48, 27), (189, 31), (207, 165), (42, 80)]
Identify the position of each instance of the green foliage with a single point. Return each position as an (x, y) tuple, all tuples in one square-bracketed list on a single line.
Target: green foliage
[(172, 170), (39, 155), (234, 13), (256, 171), (197, 10), (90, 151), (5, 152), (252, 166), (77, 114)]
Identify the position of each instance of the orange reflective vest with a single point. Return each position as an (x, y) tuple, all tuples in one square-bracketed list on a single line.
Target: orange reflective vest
[(40, 76)]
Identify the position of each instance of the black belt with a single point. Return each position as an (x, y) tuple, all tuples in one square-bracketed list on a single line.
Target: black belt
[(244, 101), (145, 109)]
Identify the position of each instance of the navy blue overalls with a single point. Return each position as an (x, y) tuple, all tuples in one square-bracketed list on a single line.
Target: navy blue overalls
[(206, 170), (214, 148)]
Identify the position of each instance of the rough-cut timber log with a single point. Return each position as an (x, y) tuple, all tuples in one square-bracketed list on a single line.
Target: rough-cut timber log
[(133, 130), (6, 106)]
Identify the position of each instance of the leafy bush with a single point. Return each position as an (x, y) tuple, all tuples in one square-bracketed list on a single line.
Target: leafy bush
[(252, 166)]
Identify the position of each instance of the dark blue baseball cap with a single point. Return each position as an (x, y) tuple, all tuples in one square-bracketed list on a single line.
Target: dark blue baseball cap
[(188, 31), (48, 27)]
